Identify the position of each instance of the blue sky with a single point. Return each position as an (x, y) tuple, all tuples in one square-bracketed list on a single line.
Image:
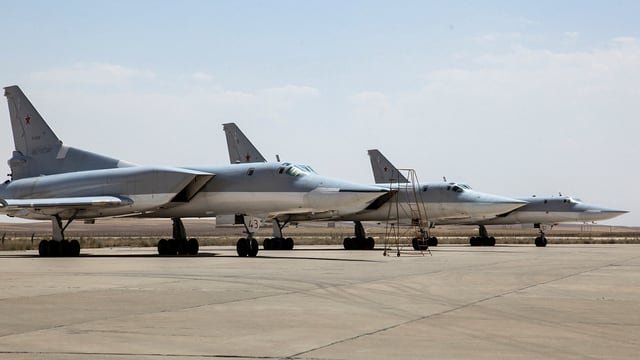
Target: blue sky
[(515, 98)]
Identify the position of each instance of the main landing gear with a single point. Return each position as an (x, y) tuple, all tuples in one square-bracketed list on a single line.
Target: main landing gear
[(248, 246), (424, 244), (484, 239), (360, 241), (541, 241), (179, 245), (278, 242), (58, 246)]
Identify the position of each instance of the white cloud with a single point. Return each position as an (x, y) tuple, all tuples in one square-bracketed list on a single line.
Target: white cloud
[(202, 76), (93, 73), (369, 106), (571, 35), (290, 92), (625, 40), (495, 37)]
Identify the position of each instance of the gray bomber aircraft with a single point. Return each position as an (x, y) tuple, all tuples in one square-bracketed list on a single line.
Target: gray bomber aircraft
[(441, 203), (537, 211), (52, 181)]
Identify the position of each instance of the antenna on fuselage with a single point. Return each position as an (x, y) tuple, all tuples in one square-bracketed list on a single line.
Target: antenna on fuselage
[(277, 158), (444, 178)]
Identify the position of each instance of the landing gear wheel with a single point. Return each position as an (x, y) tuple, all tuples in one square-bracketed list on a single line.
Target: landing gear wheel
[(541, 241), (489, 241), (414, 243), (193, 246), (163, 247), (347, 243), (182, 247), (288, 244), (242, 247), (474, 241), (43, 248), (433, 241), (253, 248), (173, 246), (370, 244), (63, 249), (74, 248), (54, 248), (266, 244), (359, 243)]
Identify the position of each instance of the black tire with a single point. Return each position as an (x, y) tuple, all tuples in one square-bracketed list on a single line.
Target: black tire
[(182, 247), (288, 244), (414, 243), (433, 241), (193, 246), (162, 247), (489, 241), (63, 249), (371, 244), (541, 241), (347, 243), (266, 244), (74, 248), (242, 247), (54, 248), (43, 248), (253, 248), (473, 241), (172, 247)]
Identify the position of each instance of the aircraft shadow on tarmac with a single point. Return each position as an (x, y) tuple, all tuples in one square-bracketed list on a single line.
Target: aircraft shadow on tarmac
[(202, 254)]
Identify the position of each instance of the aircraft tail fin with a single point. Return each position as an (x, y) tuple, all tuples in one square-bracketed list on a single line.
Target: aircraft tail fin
[(383, 170), (241, 150), (31, 134), (38, 151)]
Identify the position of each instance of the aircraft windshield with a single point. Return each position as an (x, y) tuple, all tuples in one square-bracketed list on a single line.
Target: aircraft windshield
[(457, 187), (299, 170)]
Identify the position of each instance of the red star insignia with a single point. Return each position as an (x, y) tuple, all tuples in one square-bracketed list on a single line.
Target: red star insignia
[(385, 169), (248, 157), (27, 120)]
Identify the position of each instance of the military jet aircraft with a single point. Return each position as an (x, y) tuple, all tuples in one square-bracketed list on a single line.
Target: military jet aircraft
[(56, 182), (537, 211), (437, 201)]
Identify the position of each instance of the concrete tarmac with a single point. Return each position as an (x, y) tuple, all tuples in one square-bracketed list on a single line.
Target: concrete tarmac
[(320, 302)]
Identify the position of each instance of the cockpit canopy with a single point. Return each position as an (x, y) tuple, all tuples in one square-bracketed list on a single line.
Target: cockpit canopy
[(455, 187), (296, 170), (564, 200)]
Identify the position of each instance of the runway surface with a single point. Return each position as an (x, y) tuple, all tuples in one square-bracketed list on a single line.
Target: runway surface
[(320, 302)]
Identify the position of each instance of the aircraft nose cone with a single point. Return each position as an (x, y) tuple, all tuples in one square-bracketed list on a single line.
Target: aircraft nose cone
[(593, 213)]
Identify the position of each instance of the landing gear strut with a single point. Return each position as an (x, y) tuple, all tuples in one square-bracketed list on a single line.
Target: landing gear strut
[(360, 241), (541, 241), (58, 246), (248, 246), (483, 239), (179, 245), (278, 242)]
